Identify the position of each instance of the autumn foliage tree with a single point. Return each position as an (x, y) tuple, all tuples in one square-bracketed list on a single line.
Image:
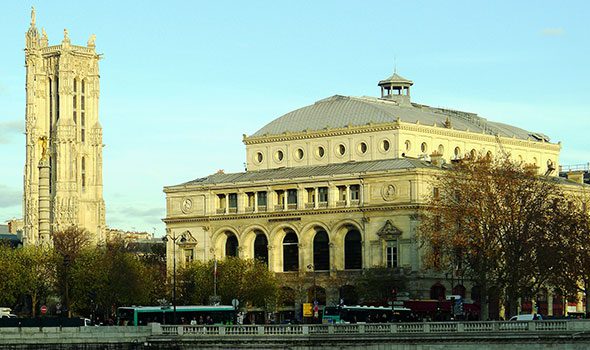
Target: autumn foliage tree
[(496, 222)]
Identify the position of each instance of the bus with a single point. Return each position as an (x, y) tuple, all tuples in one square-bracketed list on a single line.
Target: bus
[(366, 314), (142, 315)]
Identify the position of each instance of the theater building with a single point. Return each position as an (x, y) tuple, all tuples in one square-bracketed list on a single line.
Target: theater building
[(336, 186)]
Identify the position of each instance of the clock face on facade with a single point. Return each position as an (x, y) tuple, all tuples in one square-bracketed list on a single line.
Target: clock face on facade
[(187, 205)]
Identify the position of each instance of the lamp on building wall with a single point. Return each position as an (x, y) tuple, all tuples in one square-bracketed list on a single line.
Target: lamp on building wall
[(172, 237)]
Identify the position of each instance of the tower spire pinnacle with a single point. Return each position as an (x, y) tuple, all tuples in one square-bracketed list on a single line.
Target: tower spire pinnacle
[(33, 16)]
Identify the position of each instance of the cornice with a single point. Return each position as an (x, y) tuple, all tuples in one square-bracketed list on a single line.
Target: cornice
[(399, 125), (293, 213), (298, 181)]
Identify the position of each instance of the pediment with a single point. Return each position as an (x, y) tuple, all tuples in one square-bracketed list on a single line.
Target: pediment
[(389, 231)]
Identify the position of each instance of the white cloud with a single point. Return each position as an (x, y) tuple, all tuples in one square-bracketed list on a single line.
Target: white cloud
[(9, 197), (9, 128), (553, 32)]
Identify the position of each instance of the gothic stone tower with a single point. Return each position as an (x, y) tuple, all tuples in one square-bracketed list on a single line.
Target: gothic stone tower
[(63, 169)]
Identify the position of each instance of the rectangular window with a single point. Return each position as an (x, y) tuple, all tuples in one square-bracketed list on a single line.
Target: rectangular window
[(82, 100), (233, 200), (291, 196), (261, 199), (391, 254), (82, 127), (322, 194), (355, 192), (188, 256), (435, 193)]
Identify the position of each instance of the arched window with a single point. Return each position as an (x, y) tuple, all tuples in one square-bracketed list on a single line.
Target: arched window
[(83, 112), (457, 153), (231, 245), (437, 292), (290, 252), (353, 256), (321, 251), (261, 248)]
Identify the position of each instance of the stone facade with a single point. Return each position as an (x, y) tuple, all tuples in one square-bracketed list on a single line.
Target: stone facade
[(63, 168), (336, 187)]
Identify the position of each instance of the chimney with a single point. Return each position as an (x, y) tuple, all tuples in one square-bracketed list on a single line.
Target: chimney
[(437, 159)]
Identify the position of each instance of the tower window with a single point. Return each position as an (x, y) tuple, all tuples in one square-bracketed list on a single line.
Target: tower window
[(83, 172), (385, 145), (259, 157), (408, 145)]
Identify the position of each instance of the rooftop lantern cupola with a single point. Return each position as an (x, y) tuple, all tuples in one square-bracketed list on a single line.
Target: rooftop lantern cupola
[(396, 88)]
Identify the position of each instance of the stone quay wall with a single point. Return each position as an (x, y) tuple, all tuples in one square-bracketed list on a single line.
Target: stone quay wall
[(566, 335)]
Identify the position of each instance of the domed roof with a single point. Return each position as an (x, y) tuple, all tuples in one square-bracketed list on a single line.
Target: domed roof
[(342, 111)]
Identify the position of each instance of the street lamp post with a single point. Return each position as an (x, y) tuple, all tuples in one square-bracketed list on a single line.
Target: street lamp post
[(174, 238)]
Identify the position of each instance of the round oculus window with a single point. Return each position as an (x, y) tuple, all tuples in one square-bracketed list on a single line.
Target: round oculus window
[(424, 147), (299, 153), (385, 145), (279, 155), (320, 152), (408, 145), (341, 149), (363, 147), (259, 157)]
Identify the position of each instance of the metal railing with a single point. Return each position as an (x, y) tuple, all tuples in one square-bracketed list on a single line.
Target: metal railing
[(379, 328)]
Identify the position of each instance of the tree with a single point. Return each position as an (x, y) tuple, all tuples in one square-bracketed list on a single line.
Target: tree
[(573, 274), (68, 245), (497, 222), (375, 285), (10, 275), (38, 273)]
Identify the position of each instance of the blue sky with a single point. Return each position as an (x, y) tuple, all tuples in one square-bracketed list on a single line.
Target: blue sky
[(181, 81)]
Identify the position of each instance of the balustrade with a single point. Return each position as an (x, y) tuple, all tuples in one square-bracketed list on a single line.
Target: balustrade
[(532, 327)]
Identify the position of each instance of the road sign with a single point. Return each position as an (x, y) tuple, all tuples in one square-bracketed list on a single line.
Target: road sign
[(43, 310), (307, 310), (235, 303)]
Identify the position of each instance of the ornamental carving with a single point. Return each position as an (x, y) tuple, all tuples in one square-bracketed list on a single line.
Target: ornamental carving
[(388, 192), (389, 232), (187, 205)]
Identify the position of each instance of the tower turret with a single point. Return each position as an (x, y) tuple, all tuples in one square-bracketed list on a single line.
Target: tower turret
[(396, 88)]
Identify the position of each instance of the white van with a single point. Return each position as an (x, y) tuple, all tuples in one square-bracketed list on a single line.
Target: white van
[(527, 317)]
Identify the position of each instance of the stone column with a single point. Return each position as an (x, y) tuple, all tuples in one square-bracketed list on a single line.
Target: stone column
[(256, 201), (44, 200), (315, 197), (347, 196), (227, 203)]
